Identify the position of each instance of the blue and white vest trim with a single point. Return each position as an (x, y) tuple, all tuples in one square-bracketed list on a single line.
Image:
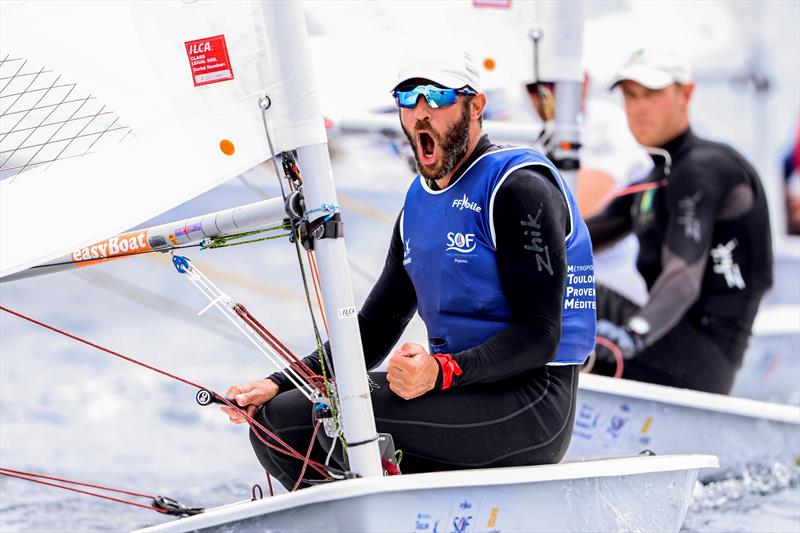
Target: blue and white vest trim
[(450, 245)]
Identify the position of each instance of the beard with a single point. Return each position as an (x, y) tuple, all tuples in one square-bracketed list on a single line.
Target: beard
[(453, 143)]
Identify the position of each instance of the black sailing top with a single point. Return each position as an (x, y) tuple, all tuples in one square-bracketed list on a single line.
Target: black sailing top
[(705, 247)]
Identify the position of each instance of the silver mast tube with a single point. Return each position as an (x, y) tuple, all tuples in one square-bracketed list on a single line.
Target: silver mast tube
[(358, 421), (568, 34), (165, 237)]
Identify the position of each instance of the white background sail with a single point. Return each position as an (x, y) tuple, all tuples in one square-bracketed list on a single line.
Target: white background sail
[(133, 57)]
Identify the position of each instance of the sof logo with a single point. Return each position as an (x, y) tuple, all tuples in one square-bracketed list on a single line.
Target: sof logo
[(461, 242)]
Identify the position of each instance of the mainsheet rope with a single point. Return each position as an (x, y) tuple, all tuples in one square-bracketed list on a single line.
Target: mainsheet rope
[(616, 352), (286, 449), (38, 478)]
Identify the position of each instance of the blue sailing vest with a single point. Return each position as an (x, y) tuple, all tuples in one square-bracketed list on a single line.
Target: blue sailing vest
[(449, 243)]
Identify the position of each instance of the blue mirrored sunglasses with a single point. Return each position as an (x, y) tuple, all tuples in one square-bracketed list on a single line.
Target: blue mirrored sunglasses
[(435, 96)]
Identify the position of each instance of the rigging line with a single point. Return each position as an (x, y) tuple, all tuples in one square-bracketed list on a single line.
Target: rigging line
[(13, 77), (315, 278), (301, 369), (104, 496), (57, 122), (308, 455), (633, 189), (65, 138), (37, 127), (323, 355), (277, 341), (44, 107), (101, 348), (36, 90), (223, 240), (265, 103), (253, 423), (269, 484), (615, 351), (226, 306), (71, 482), (274, 291), (297, 364), (57, 129), (213, 246), (27, 112), (157, 302)]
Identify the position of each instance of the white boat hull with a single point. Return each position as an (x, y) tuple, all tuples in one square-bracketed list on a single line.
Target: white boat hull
[(629, 494), (771, 364), (621, 417)]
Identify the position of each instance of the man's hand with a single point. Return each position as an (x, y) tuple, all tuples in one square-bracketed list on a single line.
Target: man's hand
[(628, 342), (412, 371), (252, 396)]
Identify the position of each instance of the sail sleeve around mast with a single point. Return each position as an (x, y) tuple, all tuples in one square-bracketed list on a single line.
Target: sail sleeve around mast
[(186, 77)]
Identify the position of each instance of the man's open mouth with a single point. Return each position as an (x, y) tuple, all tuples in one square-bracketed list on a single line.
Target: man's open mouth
[(427, 147)]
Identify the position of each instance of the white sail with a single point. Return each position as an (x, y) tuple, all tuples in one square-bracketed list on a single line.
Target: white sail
[(184, 77)]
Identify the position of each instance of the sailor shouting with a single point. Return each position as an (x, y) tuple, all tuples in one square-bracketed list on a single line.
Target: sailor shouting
[(482, 249)]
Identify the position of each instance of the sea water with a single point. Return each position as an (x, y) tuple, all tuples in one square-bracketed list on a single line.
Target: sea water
[(71, 411)]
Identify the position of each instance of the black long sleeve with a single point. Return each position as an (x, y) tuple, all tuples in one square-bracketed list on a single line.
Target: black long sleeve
[(611, 224)]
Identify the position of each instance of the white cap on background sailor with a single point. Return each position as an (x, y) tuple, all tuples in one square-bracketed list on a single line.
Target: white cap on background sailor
[(654, 69)]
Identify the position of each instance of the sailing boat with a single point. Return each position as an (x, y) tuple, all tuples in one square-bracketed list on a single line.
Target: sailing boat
[(252, 100)]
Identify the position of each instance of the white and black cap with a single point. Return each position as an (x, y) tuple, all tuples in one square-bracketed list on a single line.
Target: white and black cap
[(453, 69), (655, 69)]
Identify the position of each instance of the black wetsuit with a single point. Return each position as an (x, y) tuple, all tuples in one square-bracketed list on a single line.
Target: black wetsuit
[(705, 253), (507, 408)]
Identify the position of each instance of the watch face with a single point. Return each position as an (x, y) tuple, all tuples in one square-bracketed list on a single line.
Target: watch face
[(639, 325)]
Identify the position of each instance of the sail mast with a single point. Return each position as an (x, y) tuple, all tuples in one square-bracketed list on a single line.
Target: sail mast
[(567, 34), (355, 403)]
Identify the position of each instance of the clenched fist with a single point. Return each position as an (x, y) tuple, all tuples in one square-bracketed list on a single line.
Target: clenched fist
[(411, 371)]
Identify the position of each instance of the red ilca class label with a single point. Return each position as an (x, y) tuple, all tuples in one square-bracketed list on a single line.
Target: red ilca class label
[(209, 60)]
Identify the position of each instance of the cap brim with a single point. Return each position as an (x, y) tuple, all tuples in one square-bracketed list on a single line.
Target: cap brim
[(443, 79), (643, 75)]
